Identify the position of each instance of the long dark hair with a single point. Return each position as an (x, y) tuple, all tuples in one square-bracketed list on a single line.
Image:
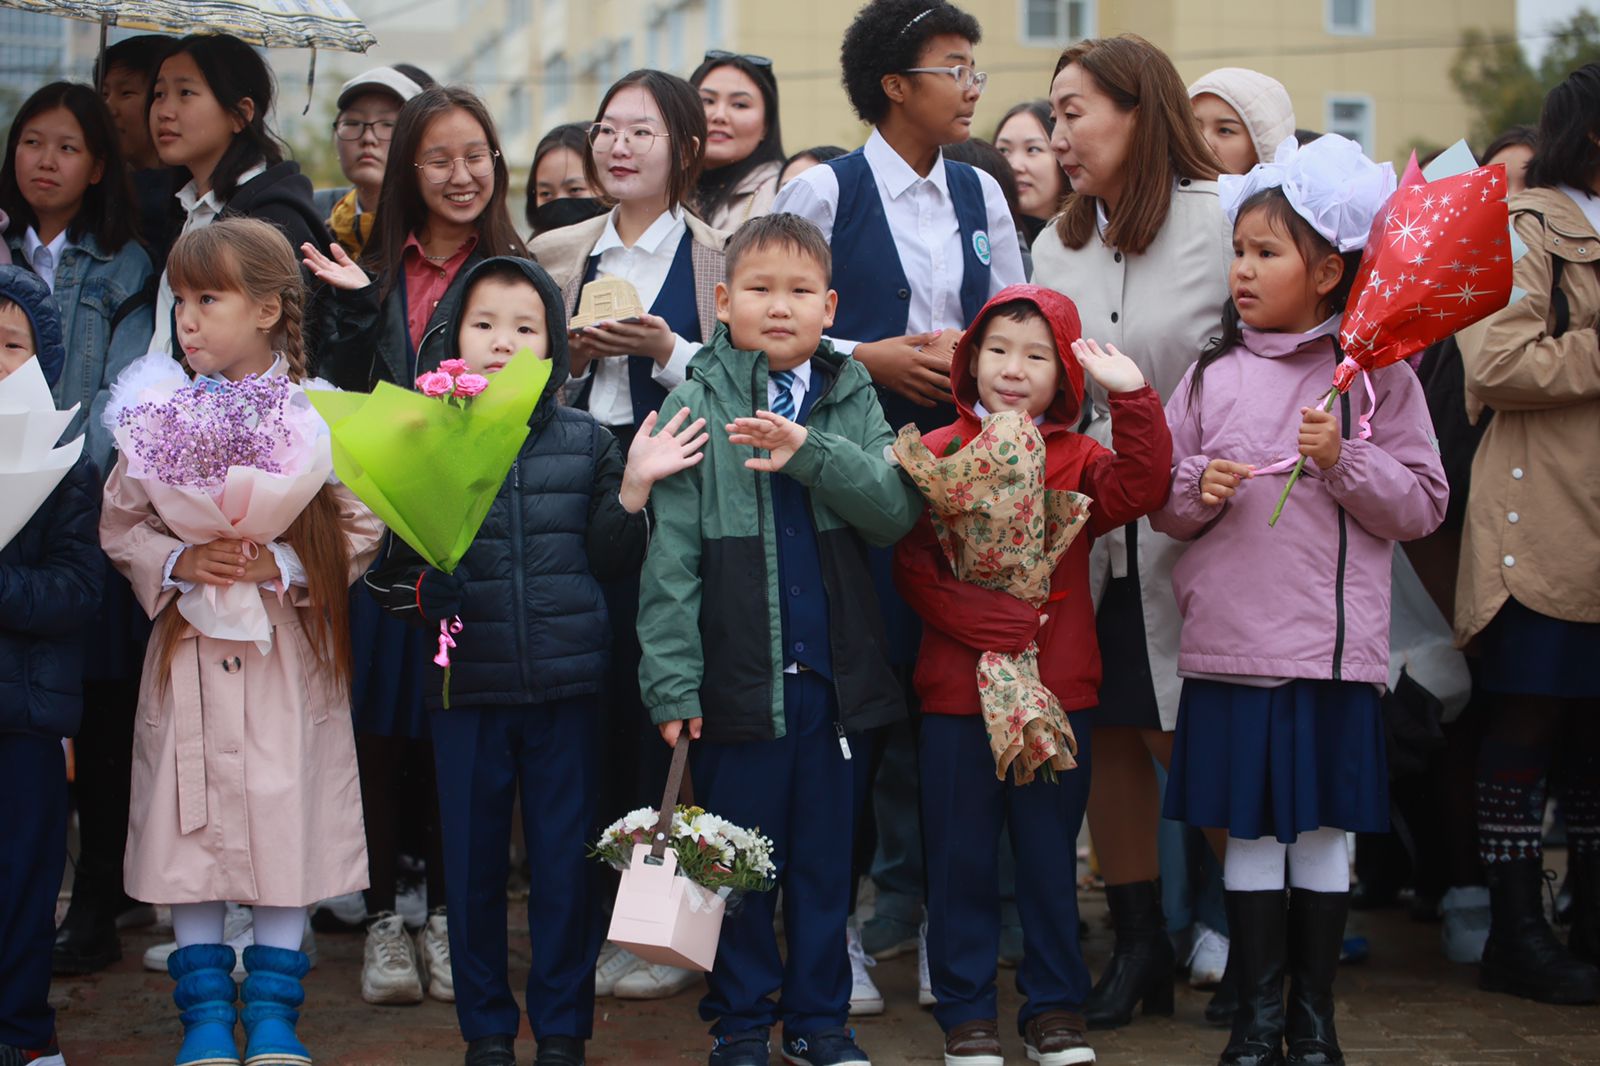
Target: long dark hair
[(404, 211), (1313, 248), (234, 72), (107, 207), (1569, 123), (685, 119), (715, 187)]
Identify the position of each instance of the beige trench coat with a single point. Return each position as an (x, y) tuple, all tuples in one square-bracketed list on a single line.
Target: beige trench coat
[(752, 197), (1161, 308), (1533, 515), (244, 768)]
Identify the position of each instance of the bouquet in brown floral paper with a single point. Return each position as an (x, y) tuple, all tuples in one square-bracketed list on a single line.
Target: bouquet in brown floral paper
[(1000, 528)]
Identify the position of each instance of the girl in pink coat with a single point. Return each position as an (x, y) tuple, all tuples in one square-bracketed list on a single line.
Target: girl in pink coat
[(1285, 644), (244, 765)]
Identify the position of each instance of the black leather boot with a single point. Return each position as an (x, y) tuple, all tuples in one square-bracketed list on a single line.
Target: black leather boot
[(86, 941), (1522, 956), (1225, 997), (1583, 875), (1256, 950), (1142, 959), (1316, 932)]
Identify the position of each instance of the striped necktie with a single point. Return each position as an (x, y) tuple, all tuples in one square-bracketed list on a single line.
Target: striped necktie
[(783, 403)]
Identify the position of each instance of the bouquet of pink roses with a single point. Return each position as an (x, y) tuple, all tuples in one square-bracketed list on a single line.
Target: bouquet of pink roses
[(220, 461)]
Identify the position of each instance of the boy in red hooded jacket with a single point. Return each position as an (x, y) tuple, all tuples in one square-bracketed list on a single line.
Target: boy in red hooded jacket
[(1023, 352)]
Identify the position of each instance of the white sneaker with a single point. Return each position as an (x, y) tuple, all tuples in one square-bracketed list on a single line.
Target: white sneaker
[(350, 908), (433, 958), (654, 981), (1465, 910), (925, 996), (389, 963), (612, 966), (1208, 958), (411, 903), (864, 995)]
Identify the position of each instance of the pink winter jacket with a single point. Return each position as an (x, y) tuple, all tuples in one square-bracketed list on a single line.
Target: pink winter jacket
[(1310, 597)]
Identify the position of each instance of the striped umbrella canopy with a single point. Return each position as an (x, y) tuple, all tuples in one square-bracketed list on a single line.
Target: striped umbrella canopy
[(268, 23)]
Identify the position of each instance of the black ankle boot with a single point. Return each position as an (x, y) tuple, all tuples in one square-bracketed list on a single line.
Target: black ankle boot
[(1225, 998), (1256, 950), (1142, 960), (1316, 932), (1583, 875), (87, 940), (1522, 956)]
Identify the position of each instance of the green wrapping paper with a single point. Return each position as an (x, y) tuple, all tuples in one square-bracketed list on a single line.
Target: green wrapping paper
[(430, 468)]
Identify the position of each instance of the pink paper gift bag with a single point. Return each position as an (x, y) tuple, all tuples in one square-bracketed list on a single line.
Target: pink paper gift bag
[(664, 918)]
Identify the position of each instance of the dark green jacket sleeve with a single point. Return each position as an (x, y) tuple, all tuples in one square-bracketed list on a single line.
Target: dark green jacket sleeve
[(672, 665)]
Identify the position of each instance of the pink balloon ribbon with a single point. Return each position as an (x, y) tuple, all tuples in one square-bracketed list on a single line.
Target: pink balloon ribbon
[(447, 641), (1346, 373)]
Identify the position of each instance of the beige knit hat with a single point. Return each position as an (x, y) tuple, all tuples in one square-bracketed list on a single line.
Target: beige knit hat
[(1261, 101)]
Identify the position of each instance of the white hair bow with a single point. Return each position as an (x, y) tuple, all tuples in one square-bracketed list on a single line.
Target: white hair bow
[(1329, 183)]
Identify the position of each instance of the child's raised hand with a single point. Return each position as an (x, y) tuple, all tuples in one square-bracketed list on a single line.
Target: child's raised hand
[(1319, 436), (341, 271), (1221, 479), (776, 435), (1111, 370), (653, 456)]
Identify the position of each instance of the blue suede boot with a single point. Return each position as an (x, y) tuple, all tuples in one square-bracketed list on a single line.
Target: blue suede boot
[(272, 997), (204, 994)]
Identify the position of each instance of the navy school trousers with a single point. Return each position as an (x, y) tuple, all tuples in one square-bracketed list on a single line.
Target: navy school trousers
[(964, 808), (803, 793), (33, 853), (483, 755)]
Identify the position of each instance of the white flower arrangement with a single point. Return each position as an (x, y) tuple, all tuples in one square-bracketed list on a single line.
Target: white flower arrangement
[(712, 852)]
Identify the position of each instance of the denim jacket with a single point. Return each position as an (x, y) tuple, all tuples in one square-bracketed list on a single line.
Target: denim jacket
[(90, 285)]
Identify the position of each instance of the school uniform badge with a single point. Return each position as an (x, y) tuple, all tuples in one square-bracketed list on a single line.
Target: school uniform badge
[(980, 247)]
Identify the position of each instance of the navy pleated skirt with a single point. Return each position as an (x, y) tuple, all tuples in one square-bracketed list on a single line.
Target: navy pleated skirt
[(1279, 761), (391, 662), (1526, 653)]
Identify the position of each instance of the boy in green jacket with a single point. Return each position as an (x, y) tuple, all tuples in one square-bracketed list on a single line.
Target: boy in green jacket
[(761, 630)]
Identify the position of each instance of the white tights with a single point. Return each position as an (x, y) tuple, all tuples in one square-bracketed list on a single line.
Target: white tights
[(275, 927), (1317, 861)]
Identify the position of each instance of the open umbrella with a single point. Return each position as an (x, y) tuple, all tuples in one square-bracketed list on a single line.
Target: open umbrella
[(309, 24)]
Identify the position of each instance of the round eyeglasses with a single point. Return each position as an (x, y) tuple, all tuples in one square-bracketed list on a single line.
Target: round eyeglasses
[(641, 138), (480, 164)]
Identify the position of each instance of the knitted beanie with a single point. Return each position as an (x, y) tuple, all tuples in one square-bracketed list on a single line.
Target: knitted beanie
[(1261, 101)]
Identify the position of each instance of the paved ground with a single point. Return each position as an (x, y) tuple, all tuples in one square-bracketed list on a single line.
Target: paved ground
[(1405, 1006)]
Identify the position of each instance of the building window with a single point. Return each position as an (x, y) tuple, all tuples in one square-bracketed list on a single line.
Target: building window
[(1056, 22), (1351, 116), (1349, 17), (557, 83)]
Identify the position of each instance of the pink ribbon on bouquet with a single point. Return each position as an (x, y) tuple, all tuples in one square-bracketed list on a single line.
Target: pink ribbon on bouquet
[(1345, 376), (447, 628)]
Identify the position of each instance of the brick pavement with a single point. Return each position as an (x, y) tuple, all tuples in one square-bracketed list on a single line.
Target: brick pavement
[(1405, 1007)]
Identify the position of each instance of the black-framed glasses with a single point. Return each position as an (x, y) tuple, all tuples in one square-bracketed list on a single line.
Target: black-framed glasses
[(717, 54), (353, 129), (480, 164), (965, 77), (641, 138)]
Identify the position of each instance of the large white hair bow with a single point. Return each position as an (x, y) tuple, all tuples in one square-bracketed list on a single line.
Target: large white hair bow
[(1329, 183)]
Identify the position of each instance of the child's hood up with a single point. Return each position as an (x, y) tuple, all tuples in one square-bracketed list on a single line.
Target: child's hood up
[(555, 323), (28, 291), (1062, 315)]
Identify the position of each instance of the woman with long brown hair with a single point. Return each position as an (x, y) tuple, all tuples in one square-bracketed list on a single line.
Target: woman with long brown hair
[(244, 768), (1142, 247)]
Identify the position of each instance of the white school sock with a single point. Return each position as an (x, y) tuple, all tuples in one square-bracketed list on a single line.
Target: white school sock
[(1253, 865), (198, 923), (280, 927), (1319, 861)]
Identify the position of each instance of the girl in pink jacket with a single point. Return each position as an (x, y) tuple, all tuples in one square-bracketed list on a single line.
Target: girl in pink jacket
[(1285, 642)]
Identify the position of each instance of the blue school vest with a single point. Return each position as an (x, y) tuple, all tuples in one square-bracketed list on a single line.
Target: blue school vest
[(874, 296), (802, 599), (677, 304)]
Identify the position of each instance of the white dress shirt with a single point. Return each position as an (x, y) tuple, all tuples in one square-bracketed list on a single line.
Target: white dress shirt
[(44, 258), (927, 236), (646, 265), (198, 211)]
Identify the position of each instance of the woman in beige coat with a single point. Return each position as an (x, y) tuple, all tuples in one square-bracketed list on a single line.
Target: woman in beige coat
[(1143, 249), (244, 768), (1528, 591)]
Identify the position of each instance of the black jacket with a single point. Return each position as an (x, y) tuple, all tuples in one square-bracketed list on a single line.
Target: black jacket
[(534, 617), (282, 196), (361, 341), (51, 571)]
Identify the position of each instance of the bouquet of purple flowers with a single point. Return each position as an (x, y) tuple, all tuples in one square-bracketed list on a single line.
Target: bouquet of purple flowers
[(193, 438)]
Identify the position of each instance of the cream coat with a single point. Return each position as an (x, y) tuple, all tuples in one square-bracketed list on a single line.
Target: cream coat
[(244, 767), (1533, 515), (753, 196), (1161, 308)]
